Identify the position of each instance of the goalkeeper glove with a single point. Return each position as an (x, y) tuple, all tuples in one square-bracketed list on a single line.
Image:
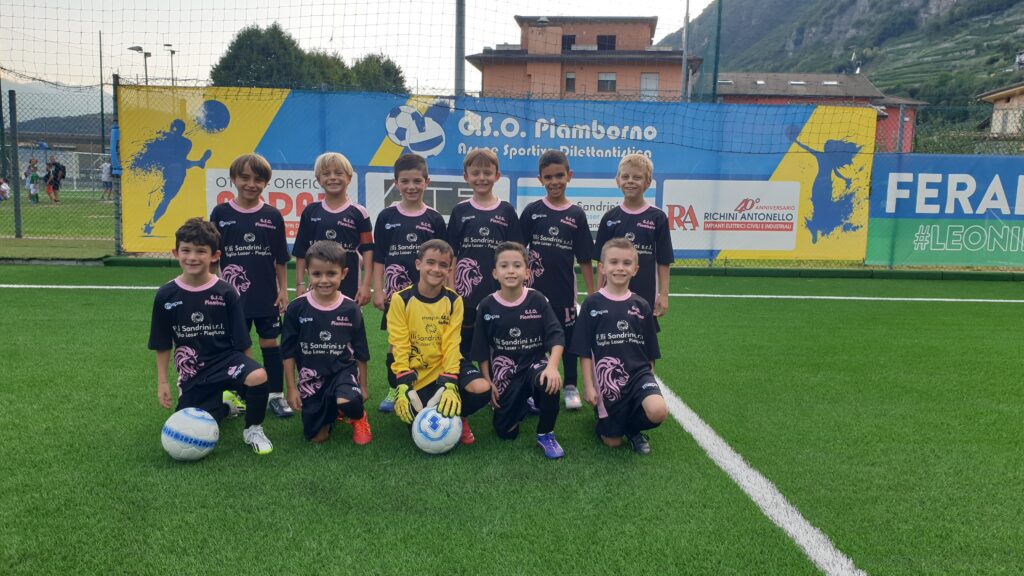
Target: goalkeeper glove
[(450, 405)]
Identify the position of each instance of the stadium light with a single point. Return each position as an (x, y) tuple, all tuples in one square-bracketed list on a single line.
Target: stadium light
[(169, 48), (145, 57)]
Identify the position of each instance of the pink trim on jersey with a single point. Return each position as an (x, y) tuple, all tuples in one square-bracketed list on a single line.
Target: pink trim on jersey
[(411, 214), (478, 206), (640, 211), (340, 209), (553, 207), (312, 302), (246, 210), (206, 286), (507, 304), (604, 292)]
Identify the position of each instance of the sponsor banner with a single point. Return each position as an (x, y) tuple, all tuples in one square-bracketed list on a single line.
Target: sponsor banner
[(595, 196), (732, 214), (177, 145), (945, 210)]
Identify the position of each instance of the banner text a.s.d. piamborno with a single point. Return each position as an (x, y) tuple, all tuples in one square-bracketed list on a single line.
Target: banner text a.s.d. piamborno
[(178, 144), (947, 210)]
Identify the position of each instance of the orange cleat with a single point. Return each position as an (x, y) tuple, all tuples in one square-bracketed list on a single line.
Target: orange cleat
[(361, 434), (467, 434)]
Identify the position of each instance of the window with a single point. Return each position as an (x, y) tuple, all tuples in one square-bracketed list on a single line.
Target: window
[(606, 82), (570, 82), (567, 41), (605, 42)]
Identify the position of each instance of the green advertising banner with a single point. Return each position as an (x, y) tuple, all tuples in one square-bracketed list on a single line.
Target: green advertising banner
[(938, 210)]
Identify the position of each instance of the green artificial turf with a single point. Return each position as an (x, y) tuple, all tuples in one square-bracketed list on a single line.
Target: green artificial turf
[(80, 214), (87, 488)]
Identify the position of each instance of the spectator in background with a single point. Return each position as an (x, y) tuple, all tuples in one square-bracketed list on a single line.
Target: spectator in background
[(55, 174), (32, 180), (108, 183), (5, 190)]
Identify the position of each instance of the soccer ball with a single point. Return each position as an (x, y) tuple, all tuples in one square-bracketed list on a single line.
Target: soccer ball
[(435, 434), (189, 434), (408, 128)]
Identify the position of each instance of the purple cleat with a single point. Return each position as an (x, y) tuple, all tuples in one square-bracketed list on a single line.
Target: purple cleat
[(551, 447)]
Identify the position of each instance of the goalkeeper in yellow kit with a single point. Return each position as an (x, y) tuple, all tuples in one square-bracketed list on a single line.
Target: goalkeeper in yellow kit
[(424, 331)]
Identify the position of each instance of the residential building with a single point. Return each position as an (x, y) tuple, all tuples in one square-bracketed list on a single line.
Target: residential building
[(1007, 109)]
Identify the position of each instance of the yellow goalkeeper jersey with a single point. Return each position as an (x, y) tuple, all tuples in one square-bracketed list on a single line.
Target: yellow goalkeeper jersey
[(424, 334)]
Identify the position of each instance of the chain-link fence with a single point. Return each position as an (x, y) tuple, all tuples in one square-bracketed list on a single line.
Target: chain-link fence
[(56, 162)]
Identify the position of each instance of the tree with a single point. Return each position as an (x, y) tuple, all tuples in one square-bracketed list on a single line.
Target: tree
[(273, 58)]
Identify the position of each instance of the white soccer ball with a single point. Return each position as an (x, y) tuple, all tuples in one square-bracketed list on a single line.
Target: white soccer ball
[(408, 128), (435, 434), (190, 434)]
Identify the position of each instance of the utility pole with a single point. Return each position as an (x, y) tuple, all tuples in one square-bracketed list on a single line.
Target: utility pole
[(718, 51), (103, 121), (460, 47), (685, 94)]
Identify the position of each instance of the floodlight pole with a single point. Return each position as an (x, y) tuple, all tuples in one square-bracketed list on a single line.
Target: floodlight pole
[(460, 47), (684, 95), (16, 181), (718, 51), (103, 123)]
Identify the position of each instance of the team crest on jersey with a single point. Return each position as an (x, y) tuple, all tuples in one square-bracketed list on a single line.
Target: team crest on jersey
[(485, 232), (197, 317), (431, 329), (235, 275), (331, 234), (515, 332), (325, 335), (467, 276), (611, 377), (411, 237), (249, 237), (553, 231), (630, 236), (622, 325)]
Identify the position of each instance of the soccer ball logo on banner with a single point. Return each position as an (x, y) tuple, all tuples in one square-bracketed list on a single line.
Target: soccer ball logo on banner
[(409, 129)]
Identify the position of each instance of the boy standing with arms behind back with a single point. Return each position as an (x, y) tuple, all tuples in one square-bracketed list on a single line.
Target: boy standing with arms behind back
[(555, 231)]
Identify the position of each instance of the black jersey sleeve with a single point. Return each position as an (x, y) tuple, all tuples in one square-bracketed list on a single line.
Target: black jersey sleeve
[(365, 230), (553, 334), (515, 229), (304, 233), (290, 331), (663, 240), (583, 243), (582, 332), (454, 234), (603, 235), (439, 225), (380, 241), (279, 244), (238, 329), (161, 334), (481, 348), (360, 349), (651, 335), (526, 224)]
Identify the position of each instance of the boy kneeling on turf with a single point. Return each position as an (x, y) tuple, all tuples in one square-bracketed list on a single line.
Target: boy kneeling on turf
[(515, 331), (199, 315), (325, 338), (617, 342), (424, 331)]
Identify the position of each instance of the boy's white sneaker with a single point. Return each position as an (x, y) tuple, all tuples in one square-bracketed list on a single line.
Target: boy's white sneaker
[(255, 437), (572, 398)]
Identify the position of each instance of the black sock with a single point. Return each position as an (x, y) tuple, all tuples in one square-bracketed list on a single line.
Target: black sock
[(256, 404), (641, 422), (220, 412), (392, 381), (275, 369), (548, 405), (353, 409), (471, 402), (570, 368)]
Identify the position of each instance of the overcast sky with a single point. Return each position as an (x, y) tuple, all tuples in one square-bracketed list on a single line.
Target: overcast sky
[(57, 40)]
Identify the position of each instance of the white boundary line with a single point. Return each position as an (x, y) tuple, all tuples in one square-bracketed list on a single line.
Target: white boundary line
[(814, 543), (723, 296)]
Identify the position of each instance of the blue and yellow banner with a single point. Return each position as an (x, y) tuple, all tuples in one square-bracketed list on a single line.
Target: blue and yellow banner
[(739, 181)]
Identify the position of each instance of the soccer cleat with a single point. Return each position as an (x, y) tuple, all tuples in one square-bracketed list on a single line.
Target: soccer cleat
[(467, 434), (551, 447), (639, 443), (388, 403), (280, 407), (233, 410), (231, 398), (361, 434), (532, 406), (572, 398), (255, 437)]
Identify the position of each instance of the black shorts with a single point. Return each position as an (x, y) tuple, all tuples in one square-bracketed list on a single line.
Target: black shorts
[(267, 327), (320, 408), (205, 389), (512, 402), (468, 372), (625, 410)]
